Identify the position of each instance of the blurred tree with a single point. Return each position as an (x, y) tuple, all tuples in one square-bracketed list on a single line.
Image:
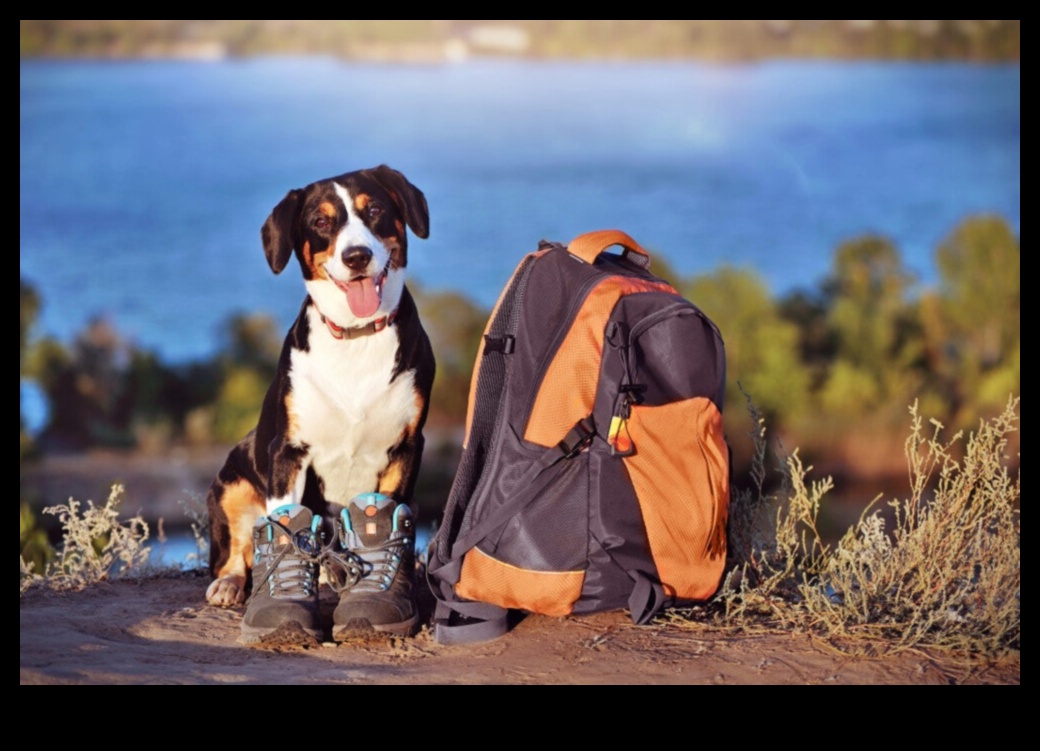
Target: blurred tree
[(34, 546), (238, 404), (455, 325), (33, 543), (252, 340), (251, 345), (872, 325), (978, 327), (86, 388), (29, 304), (762, 350), (807, 311)]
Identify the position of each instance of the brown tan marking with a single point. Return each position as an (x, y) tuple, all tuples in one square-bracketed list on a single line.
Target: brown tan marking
[(413, 426), (243, 505), (390, 479), (361, 201), (293, 427), (316, 261), (320, 259), (393, 247)]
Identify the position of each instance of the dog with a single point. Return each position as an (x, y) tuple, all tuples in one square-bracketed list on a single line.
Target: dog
[(345, 412)]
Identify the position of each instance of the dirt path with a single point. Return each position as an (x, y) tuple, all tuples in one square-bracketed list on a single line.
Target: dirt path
[(160, 631)]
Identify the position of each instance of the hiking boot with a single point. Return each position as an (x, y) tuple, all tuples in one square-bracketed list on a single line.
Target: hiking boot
[(378, 535), (283, 608)]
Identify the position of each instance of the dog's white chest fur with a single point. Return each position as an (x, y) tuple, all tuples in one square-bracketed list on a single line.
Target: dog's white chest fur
[(345, 408)]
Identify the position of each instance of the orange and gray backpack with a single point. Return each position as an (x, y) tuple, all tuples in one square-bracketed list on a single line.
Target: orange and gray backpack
[(595, 473)]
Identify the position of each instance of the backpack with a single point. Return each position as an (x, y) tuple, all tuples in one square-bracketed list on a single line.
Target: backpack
[(595, 473)]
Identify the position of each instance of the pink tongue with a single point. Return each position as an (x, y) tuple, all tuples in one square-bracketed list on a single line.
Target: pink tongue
[(362, 297)]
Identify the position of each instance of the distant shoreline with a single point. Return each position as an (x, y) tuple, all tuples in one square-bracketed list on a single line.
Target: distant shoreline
[(439, 42)]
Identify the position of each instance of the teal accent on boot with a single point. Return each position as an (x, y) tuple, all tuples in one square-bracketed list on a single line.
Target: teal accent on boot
[(378, 535), (283, 608)]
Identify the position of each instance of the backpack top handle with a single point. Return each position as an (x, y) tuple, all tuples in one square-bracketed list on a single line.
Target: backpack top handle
[(587, 247)]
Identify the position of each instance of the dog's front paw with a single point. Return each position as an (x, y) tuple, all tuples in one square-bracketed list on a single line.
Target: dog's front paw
[(227, 591)]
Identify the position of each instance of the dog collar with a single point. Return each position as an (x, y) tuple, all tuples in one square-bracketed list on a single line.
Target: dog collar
[(372, 327)]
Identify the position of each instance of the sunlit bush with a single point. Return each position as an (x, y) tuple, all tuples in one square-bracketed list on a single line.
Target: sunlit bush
[(948, 574)]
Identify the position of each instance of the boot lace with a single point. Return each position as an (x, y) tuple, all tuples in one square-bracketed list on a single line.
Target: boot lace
[(372, 569), (290, 568)]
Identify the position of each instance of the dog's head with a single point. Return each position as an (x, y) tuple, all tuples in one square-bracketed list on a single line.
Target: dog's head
[(348, 233)]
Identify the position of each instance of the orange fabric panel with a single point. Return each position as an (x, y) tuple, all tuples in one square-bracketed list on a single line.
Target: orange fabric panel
[(568, 390), (683, 490), (486, 579)]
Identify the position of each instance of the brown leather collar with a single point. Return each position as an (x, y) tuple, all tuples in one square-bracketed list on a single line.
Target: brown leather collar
[(372, 327)]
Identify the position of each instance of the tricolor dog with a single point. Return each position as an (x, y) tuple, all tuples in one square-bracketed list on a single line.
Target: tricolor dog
[(346, 410)]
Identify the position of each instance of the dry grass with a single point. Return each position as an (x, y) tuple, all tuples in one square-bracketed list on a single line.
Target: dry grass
[(96, 546), (198, 515), (947, 575)]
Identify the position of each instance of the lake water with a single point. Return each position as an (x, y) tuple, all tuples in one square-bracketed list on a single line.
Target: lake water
[(143, 185), (180, 549)]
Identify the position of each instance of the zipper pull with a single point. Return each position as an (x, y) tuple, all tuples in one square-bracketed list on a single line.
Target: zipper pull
[(618, 437)]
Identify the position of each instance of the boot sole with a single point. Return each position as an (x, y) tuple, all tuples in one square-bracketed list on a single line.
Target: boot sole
[(288, 634), (362, 627)]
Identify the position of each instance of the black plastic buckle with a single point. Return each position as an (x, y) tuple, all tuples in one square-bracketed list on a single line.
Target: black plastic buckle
[(578, 437), (634, 392), (504, 344)]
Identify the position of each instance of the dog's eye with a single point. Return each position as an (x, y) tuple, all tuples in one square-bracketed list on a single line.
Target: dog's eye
[(374, 211), (321, 222)]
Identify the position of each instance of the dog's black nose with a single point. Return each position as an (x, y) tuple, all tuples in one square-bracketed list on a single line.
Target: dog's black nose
[(356, 257)]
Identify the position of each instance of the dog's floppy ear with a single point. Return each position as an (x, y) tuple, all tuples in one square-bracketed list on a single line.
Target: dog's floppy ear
[(277, 232), (409, 199)]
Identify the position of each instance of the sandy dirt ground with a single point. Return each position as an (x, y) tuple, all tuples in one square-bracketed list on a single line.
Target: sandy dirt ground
[(160, 631)]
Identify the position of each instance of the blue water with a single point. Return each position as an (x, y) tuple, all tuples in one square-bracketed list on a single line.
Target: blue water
[(143, 185), (180, 549)]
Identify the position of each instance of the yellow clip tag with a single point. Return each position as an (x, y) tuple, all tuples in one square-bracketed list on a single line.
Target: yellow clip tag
[(618, 438)]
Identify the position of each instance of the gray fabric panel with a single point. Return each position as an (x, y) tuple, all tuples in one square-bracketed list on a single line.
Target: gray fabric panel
[(675, 350), (606, 586), (550, 533)]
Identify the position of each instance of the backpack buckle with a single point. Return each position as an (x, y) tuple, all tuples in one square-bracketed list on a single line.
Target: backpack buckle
[(578, 437), (504, 344)]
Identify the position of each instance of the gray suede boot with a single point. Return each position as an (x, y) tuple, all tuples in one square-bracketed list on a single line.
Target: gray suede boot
[(283, 608), (378, 535)]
